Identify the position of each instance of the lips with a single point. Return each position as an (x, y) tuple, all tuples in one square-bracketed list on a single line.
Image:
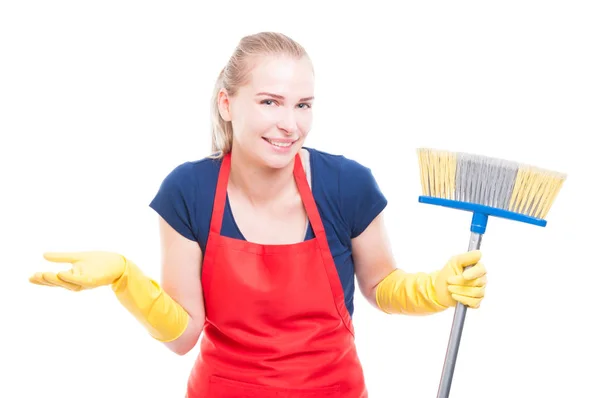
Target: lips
[(279, 142)]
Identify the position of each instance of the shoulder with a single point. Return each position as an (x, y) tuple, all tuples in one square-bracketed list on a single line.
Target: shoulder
[(336, 163), (347, 171), (186, 190), (193, 170), (190, 183), (351, 185)]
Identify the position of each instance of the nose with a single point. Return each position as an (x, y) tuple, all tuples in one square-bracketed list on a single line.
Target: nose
[(287, 122)]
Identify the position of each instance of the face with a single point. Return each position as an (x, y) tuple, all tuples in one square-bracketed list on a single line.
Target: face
[(272, 114)]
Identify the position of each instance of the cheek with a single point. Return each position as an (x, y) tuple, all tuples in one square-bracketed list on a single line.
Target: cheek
[(260, 122), (253, 121), (305, 122)]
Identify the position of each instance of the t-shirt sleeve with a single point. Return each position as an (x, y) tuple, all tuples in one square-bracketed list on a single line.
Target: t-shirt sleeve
[(174, 200), (360, 196)]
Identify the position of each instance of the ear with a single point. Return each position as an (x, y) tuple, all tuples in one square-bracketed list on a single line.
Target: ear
[(224, 105)]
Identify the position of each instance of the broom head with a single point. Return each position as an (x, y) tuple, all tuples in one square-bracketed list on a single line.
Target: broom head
[(488, 186)]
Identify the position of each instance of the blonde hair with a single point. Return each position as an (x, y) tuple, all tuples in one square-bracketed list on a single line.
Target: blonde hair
[(237, 72)]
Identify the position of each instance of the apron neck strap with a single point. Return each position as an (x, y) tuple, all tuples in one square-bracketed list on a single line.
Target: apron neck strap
[(308, 200), (220, 195)]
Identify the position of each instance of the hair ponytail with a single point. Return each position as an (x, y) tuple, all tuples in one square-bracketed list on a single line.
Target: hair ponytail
[(222, 131)]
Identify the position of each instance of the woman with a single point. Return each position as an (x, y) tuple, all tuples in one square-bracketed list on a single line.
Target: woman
[(261, 244)]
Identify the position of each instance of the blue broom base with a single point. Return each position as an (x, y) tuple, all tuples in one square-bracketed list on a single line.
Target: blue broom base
[(481, 212)]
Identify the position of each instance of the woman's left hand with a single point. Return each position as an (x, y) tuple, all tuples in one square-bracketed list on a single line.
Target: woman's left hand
[(454, 283)]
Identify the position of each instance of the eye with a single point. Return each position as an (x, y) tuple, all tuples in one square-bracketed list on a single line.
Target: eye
[(267, 102), (305, 105)]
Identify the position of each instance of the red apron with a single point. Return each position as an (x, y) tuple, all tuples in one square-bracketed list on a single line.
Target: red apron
[(276, 321)]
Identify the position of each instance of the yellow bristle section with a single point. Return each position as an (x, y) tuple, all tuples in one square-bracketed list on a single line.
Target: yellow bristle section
[(422, 155), (553, 187), (438, 172), (535, 190)]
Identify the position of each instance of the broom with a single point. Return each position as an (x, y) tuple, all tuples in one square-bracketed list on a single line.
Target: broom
[(486, 187)]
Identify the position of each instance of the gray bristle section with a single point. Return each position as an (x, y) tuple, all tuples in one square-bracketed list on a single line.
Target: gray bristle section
[(483, 180), (462, 176)]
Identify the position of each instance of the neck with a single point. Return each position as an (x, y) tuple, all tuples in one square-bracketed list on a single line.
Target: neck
[(260, 185)]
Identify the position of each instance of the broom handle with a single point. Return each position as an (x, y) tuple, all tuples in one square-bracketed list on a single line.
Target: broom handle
[(458, 322)]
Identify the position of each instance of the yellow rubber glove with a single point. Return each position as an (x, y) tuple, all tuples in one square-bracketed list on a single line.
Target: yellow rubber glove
[(143, 297), (421, 293)]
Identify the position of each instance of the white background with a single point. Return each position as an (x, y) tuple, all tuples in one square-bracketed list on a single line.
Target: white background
[(100, 100)]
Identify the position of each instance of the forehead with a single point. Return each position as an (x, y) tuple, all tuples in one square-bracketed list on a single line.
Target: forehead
[(283, 75)]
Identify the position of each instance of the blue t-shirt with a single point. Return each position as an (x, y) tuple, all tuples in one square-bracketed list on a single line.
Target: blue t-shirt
[(346, 194)]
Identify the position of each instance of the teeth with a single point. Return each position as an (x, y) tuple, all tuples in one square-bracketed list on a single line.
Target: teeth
[(280, 144)]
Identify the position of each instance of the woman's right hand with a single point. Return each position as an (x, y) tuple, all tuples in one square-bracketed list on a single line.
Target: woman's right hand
[(88, 270)]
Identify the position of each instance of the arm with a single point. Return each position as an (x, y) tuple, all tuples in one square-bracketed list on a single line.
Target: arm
[(181, 265), (394, 291), (373, 258), (385, 286), (172, 314)]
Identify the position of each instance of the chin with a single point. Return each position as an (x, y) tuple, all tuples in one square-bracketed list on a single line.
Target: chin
[(278, 161)]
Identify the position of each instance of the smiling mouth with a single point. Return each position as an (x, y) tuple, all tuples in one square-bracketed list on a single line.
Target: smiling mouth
[(280, 143)]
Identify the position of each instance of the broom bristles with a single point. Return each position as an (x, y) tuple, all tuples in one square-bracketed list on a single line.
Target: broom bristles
[(487, 181)]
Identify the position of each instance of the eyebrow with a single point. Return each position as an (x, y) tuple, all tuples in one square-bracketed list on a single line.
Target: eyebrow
[(280, 97)]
